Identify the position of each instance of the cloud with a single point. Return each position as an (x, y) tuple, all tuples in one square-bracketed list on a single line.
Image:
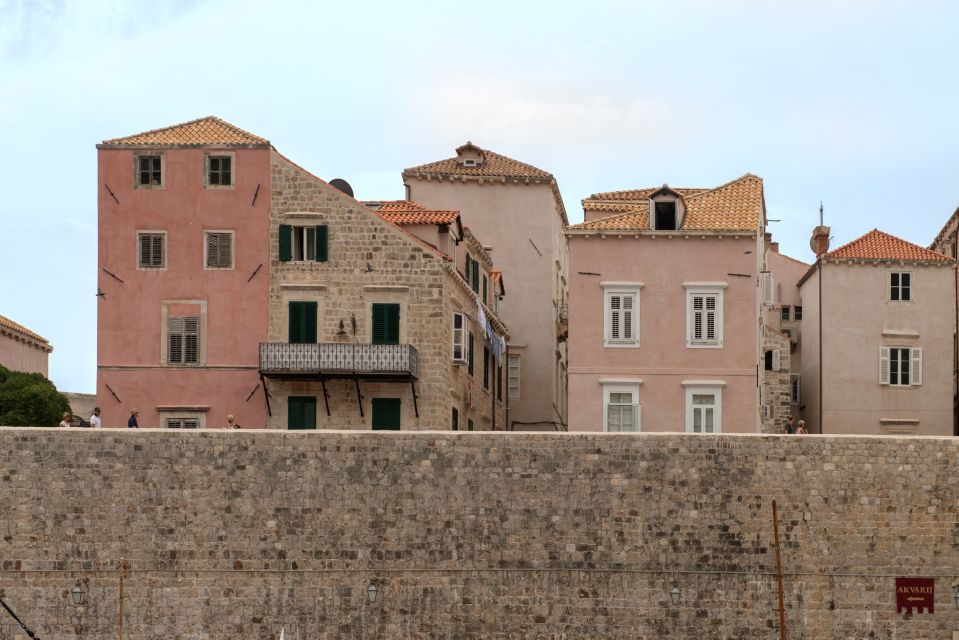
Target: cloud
[(495, 110)]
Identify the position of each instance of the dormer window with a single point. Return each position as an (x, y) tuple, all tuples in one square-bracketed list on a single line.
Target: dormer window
[(666, 215), (666, 209), (470, 162), (470, 156)]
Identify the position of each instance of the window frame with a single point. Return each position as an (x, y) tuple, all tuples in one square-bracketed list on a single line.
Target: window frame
[(136, 170), (206, 248), (625, 289), (218, 155), (914, 373), (151, 232), (899, 288), (518, 359), (703, 389), (459, 338), (185, 334), (633, 391), (705, 289)]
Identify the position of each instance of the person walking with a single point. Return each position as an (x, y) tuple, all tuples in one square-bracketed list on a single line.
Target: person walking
[(789, 428), (66, 420), (231, 422), (801, 428), (95, 422), (132, 422)]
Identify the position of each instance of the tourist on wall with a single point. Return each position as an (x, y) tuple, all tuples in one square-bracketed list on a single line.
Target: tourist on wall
[(132, 422), (801, 428), (95, 421), (66, 420), (789, 428), (231, 422)]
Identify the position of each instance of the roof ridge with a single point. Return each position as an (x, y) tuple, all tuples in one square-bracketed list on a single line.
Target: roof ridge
[(878, 232), (741, 178), (580, 225), (229, 125)]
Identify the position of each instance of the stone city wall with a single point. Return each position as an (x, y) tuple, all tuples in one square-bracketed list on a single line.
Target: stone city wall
[(233, 534)]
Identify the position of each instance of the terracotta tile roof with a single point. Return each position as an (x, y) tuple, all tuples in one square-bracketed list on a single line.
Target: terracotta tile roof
[(494, 165), (209, 131), (877, 245), (405, 212), (7, 323), (734, 206)]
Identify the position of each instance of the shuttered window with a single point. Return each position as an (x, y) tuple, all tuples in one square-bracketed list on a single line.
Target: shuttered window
[(302, 322), (301, 412), (459, 338), (152, 250), (704, 319), (486, 355), (621, 318), (183, 340), (485, 289), (219, 250), (182, 423), (469, 354), (900, 366), (386, 323), (386, 414)]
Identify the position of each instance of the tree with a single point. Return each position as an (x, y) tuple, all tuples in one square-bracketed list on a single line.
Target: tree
[(29, 400)]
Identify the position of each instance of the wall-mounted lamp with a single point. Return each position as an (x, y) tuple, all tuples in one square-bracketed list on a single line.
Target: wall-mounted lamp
[(371, 592), (342, 329), (78, 593), (674, 594)]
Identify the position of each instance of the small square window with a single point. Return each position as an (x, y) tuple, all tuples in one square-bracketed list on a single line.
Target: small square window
[(149, 171), (785, 312), (220, 171), (797, 313), (151, 250)]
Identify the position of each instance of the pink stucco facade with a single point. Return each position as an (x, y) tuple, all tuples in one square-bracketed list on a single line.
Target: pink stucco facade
[(136, 304), (22, 350), (662, 268)]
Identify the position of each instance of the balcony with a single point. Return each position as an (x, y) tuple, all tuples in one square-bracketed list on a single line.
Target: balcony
[(336, 360)]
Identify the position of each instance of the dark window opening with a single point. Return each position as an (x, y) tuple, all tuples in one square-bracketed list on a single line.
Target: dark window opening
[(666, 215), (769, 361), (455, 420), (149, 171), (221, 170), (797, 313)]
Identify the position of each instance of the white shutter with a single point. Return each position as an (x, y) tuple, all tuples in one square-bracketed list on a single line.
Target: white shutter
[(627, 317), (777, 360), (638, 416), (768, 289), (615, 317), (883, 365), (916, 354)]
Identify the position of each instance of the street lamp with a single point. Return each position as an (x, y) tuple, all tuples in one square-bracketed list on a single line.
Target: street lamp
[(78, 594), (674, 594), (371, 592)]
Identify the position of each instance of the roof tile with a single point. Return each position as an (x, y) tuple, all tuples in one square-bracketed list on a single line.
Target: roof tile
[(403, 212), (494, 165), (7, 323), (877, 245), (209, 131)]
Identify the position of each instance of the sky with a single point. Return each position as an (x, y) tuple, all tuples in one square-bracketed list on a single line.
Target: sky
[(848, 102)]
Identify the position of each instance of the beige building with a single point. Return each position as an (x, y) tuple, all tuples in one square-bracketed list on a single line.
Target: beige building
[(517, 210), (377, 314), (22, 349), (877, 339)]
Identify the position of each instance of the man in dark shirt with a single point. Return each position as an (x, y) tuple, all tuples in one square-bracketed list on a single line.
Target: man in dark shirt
[(789, 428), (132, 422)]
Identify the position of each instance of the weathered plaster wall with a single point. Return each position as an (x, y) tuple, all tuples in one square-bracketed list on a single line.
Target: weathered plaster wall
[(19, 353), (231, 534)]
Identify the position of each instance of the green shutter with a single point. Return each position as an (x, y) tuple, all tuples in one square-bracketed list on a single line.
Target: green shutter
[(386, 414), (484, 288), (302, 322), (301, 412), (322, 240), (485, 367), (386, 323), (469, 365), (469, 263), (286, 243), (476, 274)]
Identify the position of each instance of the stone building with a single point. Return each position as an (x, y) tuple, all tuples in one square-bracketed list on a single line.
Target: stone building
[(668, 299), (235, 282), (880, 304), (22, 349), (516, 208)]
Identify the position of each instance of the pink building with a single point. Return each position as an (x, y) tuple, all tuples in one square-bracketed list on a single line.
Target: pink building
[(22, 349), (184, 268), (665, 309)]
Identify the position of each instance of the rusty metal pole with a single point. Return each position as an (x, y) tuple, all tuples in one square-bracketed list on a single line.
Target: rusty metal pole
[(121, 598), (779, 576)]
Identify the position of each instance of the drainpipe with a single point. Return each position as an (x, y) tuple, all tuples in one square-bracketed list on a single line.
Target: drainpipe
[(821, 399), (955, 339)]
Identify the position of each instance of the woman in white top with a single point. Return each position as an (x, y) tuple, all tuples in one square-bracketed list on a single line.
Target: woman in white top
[(66, 420), (95, 418)]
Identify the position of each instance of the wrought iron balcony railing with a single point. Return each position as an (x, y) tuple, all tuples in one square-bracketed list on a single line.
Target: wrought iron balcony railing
[(337, 358)]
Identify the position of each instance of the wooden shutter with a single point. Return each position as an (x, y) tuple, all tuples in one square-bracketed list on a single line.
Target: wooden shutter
[(322, 243), (191, 340), (883, 365), (386, 323), (174, 340), (711, 332), (769, 297), (485, 287), (916, 357), (286, 242), (476, 275), (302, 322), (615, 317), (301, 412), (469, 264), (219, 250), (469, 354), (777, 360), (151, 250), (386, 414), (295, 312)]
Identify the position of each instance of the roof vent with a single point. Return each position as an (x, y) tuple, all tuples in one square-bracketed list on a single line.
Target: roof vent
[(342, 185)]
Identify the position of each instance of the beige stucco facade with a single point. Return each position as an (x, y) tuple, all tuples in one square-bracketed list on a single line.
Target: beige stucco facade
[(857, 320), (522, 223), (23, 350), (372, 261)]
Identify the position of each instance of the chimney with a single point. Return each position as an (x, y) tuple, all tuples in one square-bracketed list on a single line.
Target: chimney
[(819, 243), (774, 247)]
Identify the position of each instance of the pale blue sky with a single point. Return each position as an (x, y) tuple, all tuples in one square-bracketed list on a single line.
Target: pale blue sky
[(852, 102)]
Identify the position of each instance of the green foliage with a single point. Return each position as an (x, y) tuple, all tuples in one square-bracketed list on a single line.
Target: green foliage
[(29, 400)]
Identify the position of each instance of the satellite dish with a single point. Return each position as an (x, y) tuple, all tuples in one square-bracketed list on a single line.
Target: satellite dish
[(342, 185)]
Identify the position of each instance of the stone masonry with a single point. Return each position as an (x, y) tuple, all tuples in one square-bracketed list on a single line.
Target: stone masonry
[(776, 390), (372, 260), (233, 534)]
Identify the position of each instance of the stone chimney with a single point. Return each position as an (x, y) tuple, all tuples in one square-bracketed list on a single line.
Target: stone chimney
[(819, 243)]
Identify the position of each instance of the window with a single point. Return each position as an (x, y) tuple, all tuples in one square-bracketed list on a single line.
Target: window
[(621, 409), (704, 324), (469, 162), (513, 388), (485, 287), (622, 311), (703, 409), (499, 382), (301, 412), (455, 420), (797, 313), (183, 340), (220, 171), (773, 360), (476, 276), (386, 323), (300, 244), (900, 286), (219, 249), (784, 312), (302, 322), (469, 424), (151, 252), (485, 367), (386, 414), (459, 338), (149, 171), (768, 285), (900, 366), (182, 423), (794, 388), (469, 353), (666, 216)]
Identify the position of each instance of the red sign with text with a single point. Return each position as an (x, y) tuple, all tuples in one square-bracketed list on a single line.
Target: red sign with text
[(914, 594)]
